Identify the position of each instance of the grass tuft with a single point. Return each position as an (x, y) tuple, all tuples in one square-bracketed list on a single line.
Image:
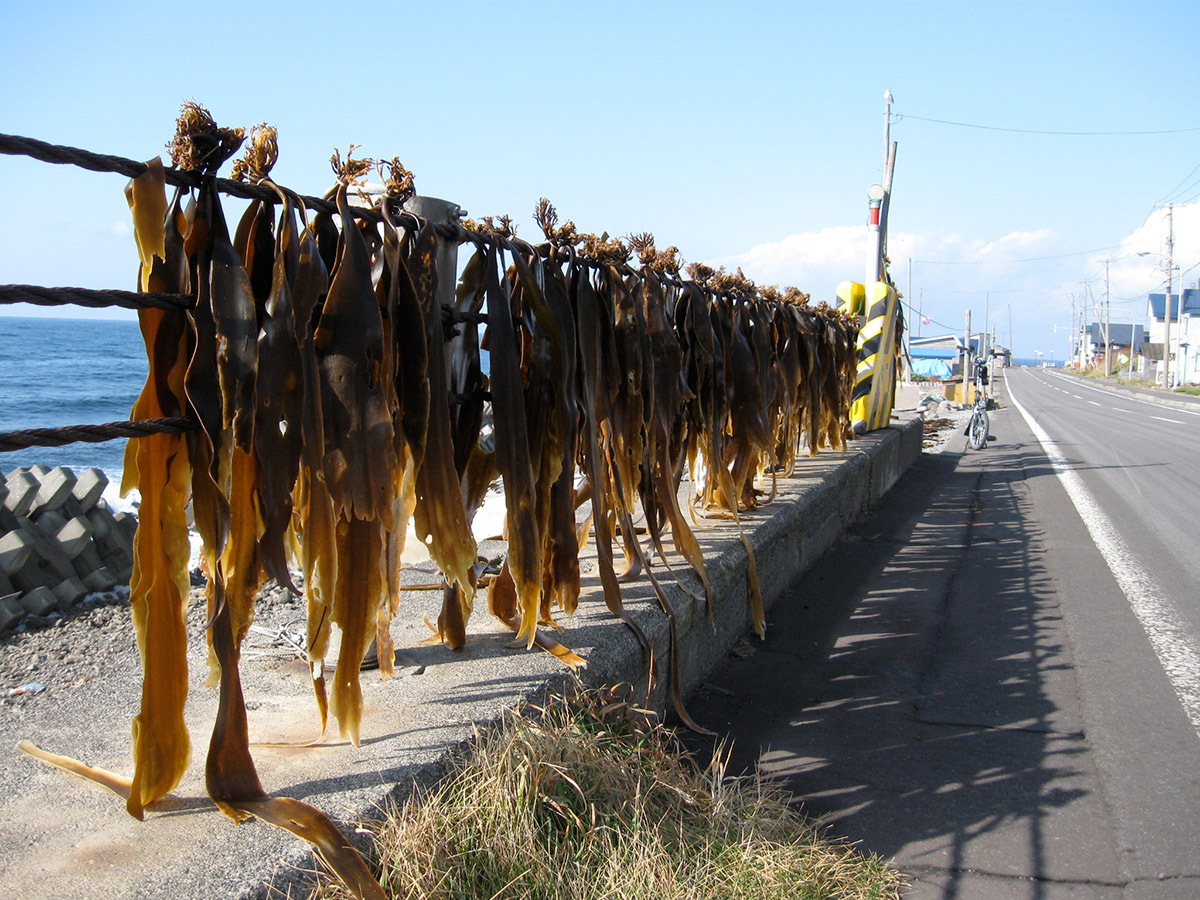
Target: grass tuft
[(587, 798)]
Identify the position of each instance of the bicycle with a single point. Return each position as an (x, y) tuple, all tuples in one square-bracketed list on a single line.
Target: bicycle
[(977, 427)]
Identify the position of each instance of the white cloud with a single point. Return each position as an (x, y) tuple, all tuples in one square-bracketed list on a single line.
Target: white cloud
[(814, 261), (1133, 275)]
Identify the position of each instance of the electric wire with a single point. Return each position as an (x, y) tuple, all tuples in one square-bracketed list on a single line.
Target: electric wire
[(899, 117), (1176, 191), (992, 262)]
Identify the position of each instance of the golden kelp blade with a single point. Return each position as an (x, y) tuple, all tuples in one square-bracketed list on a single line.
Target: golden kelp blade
[(314, 519), (234, 786), (356, 601), (587, 303), (360, 455), (439, 518), (279, 393), (158, 467), (502, 603), (314, 826), (240, 567), (513, 452), (236, 320), (148, 204), (118, 784)]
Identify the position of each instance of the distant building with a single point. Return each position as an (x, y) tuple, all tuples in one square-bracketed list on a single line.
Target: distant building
[(1184, 310), (941, 356), (1127, 342)]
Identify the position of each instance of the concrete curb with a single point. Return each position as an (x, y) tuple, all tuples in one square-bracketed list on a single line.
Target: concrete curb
[(73, 837)]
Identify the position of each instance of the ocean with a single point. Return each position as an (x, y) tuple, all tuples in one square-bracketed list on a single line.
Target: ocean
[(1034, 361), (56, 372)]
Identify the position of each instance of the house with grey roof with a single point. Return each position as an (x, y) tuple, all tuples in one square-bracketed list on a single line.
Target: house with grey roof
[(1127, 342)]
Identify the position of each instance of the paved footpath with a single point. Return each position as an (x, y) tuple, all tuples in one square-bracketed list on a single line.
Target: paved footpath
[(920, 690)]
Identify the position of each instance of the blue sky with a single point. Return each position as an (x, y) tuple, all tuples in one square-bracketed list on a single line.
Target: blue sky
[(745, 136)]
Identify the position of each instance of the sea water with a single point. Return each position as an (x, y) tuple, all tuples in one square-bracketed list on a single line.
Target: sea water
[(60, 371)]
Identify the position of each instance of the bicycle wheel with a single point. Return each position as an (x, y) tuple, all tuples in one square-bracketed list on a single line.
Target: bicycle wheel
[(977, 433)]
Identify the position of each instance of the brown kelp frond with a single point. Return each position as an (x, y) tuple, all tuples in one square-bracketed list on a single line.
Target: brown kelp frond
[(350, 172), (199, 145), (770, 293), (501, 226), (668, 260), (603, 249), (735, 284), (653, 259), (643, 245), (398, 182), (649, 257), (701, 274), (261, 154), (546, 216), (795, 296)]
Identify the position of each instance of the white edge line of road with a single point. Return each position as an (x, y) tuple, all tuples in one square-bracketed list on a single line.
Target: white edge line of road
[(1119, 396), (1176, 649)]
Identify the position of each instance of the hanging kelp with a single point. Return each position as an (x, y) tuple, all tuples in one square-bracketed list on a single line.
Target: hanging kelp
[(334, 373)]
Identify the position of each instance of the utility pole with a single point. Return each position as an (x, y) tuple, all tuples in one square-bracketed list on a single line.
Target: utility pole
[(1168, 310), (887, 127), (878, 194), (908, 330), (966, 366), (1010, 334), (1074, 336), (992, 365), (1107, 324), (987, 302)]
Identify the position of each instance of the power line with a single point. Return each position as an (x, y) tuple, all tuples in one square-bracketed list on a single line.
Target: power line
[(901, 116), (1176, 191), (1045, 290), (998, 262)]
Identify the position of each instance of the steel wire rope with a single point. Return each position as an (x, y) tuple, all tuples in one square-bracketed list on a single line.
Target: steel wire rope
[(93, 434), (57, 154)]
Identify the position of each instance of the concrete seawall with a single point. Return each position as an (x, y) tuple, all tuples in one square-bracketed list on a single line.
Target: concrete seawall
[(62, 836)]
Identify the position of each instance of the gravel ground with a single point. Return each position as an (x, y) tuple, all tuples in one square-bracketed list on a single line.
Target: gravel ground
[(941, 426), (50, 656)]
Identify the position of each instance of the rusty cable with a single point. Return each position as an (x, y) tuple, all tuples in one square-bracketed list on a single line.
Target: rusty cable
[(94, 434), (92, 299)]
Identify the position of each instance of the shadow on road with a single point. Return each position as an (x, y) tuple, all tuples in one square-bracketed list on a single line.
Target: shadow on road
[(915, 688)]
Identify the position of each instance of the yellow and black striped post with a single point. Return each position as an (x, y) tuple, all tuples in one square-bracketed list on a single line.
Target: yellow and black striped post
[(875, 378), (852, 298)]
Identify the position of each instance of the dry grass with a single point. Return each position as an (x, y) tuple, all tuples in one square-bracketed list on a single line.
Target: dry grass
[(585, 799)]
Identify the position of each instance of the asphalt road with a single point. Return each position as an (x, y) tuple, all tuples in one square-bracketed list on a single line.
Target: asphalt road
[(989, 681), (1139, 461), (1129, 466)]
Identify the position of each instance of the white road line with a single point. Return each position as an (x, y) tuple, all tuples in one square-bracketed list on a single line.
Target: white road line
[(1129, 411), (1111, 393), (1172, 421), (1093, 402), (1076, 396), (1177, 650)]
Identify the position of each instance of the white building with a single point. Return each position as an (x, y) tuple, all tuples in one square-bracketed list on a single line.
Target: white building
[(1185, 346)]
